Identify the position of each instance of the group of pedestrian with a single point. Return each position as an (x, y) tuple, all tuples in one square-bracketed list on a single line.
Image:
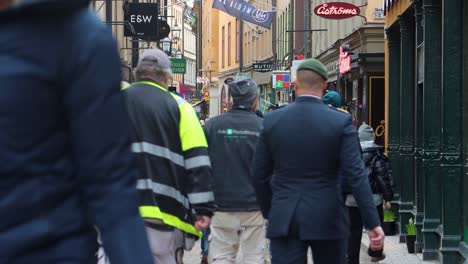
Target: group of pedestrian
[(86, 156)]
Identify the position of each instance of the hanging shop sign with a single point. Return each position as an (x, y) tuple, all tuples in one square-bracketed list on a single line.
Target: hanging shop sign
[(337, 10), (178, 65), (245, 11), (281, 80), (345, 61), (144, 19), (263, 67)]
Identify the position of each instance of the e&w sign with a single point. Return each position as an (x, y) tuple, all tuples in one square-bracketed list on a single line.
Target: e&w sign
[(144, 19)]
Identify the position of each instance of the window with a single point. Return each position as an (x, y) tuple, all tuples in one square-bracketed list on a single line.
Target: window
[(222, 47), (229, 44), (238, 43)]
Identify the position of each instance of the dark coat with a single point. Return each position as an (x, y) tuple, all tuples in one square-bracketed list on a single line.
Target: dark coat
[(232, 138), (64, 145), (305, 146), (380, 172)]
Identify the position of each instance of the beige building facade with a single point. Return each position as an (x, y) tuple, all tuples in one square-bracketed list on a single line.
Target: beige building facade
[(362, 87)]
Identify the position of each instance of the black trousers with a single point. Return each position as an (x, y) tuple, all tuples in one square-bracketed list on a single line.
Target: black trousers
[(356, 226), (290, 250)]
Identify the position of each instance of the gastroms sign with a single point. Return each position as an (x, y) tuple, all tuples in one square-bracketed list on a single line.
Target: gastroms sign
[(337, 10)]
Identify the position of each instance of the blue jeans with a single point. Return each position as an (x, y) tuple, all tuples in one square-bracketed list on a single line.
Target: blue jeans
[(204, 242)]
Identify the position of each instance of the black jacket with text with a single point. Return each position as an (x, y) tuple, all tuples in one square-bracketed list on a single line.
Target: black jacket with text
[(231, 141)]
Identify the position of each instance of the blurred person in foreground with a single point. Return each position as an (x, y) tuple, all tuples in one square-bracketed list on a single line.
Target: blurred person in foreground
[(303, 201), (175, 183), (238, 224), (64, 141)]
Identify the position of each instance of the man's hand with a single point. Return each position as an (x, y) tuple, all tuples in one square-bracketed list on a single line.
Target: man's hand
[(202, 222), (376, 238), (388, 205)]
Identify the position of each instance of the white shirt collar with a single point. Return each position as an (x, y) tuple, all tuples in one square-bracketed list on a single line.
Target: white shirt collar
[(309, 95)]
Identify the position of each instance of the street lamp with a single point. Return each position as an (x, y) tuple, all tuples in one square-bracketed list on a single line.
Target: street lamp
[(175, 31), (178, 54), (166, 45)]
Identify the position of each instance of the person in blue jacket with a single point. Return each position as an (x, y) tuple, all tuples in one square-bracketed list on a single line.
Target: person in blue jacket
[(66, 164)]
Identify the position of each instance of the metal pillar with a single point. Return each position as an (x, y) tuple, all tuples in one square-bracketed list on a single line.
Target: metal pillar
[(418, 105), (451, 158), (406, 168), (393, 41), (135, 48), (432, 127)]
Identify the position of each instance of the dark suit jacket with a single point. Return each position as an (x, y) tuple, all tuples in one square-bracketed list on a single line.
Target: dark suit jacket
[(305, 146)]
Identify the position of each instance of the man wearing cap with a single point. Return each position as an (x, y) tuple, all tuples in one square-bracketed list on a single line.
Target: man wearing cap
[(238, 222), (305, 146), (175, 185)]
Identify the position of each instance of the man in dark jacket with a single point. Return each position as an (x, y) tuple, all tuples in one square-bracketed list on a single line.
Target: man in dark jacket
[(64, 144), (232, 137), (305, 146), (379, 173)]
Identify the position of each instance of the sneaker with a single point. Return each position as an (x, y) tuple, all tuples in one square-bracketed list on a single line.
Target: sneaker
[(377, 259), (204, 260)]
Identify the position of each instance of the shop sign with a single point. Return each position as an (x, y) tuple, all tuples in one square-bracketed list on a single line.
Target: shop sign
[(345, 61), (144, 19), (263, 67), (379, 13), (178, 65), (337, 10), (281, 80)]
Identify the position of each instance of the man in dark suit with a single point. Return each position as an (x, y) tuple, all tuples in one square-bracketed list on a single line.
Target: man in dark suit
[(307, 146)]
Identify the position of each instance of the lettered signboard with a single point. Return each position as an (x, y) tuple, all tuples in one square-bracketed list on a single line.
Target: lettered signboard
[(337, 10), (144, 19)]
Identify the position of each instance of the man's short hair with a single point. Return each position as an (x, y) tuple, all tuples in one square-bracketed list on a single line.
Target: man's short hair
[(309, 79)]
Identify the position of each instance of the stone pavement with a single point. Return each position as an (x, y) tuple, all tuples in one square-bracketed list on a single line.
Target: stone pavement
[(395, 251)]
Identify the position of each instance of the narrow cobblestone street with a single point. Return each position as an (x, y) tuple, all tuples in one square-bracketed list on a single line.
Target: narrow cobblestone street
[(395, 251)]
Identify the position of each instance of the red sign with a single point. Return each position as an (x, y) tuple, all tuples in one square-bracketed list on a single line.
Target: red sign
[(345, 61), (300, 56), (337, 10)]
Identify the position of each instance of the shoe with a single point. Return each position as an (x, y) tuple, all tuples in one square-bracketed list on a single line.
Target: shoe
[(377, 259), (204, 260)]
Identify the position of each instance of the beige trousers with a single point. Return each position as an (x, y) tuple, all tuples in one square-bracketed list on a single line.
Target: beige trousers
[(166, 247), (231, 231)]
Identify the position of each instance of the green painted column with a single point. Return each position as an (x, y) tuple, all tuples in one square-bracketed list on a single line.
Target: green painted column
[(418, 105), (432, 127), (406, 169), (465, 126), (451, 156), (393, 41)]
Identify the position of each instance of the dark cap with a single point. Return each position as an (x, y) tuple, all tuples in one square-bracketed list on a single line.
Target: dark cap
[(332, 98), (244, 91), (315, 66), (156, 58)]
